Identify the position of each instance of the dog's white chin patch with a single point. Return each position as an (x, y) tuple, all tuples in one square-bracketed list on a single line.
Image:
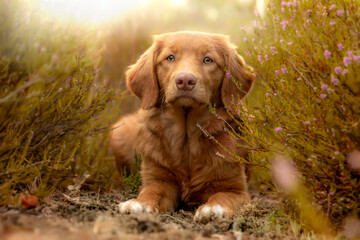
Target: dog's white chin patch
[(134, 206), (210, 212)]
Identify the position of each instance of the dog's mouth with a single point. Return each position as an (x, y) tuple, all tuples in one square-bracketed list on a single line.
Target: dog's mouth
[(185, 99)]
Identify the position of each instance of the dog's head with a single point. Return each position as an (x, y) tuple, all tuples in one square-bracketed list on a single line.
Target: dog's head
[(188, 69)]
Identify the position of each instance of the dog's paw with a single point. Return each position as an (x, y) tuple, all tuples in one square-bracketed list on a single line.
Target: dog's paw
[(210, 212), (136, 206)]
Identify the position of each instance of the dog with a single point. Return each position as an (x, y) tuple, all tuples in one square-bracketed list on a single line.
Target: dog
[(183, 147)]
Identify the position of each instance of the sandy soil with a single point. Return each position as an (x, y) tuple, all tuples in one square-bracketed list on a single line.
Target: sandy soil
[(90, 215)]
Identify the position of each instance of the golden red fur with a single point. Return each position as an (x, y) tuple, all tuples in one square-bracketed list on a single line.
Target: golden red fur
[(176, 79)]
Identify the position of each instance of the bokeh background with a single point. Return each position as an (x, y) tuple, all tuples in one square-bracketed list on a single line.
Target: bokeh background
[(62, 87)]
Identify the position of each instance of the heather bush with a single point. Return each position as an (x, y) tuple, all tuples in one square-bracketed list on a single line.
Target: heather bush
[(306, 104), (50, 101)]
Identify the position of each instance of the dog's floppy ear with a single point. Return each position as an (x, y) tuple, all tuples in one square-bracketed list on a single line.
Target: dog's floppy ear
[(141, 78), (238, 73)]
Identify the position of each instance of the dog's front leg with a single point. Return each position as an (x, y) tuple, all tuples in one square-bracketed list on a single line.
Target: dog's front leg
[(158, 196), (221, 205)]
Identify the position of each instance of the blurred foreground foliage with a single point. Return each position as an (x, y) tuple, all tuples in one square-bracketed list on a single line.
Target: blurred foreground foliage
[(307, 101), (51, 99)]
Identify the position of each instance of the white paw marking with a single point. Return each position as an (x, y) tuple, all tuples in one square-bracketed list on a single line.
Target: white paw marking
[(210, 212), (131, 206)]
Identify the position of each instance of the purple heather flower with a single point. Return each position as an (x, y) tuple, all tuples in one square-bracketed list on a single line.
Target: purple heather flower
[(340, 12), (334, 80), (299, 79), (347, 61), (238, 111), (289, 4), (284, 24), (331, 193), (307, 122), (266, 57), (228, 75), (345, 71), (273, 50), (332, 7), (275, 94), (325, 87), (283, 4), (267, 94), (327, 54), (277, 72), (278, 129), (340, 47), (284, 70), (224, 129), (256, 13), (282, 81), (245, 39), (259, 58), (281, 40), (290, 43), (332, 23), (356, 58), (323, 95), (350, 53), (336, 153), (309, 11), (337, 70)]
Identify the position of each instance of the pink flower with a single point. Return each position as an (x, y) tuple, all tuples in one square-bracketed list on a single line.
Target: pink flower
[(325, 87), (273, 50), (284, 24), (259, 58), (275, 94), (242, 29), (340, 47), (228, 75), (281, 40), (332, 7), (284, 70), (353, 159), (345, 71), (283, 4), (347, 61), (277, 72), (256, 13), (337, 70), (327, 54), (299, 79), (307, 122), (289, 4), (290, 43), (284, 173), (309, 11), (245, 39), (266, 57), (267, 94), (334, 80), (323, 95), (350, 53), (340, 12), (332, 23), (356, 58), (279, 129)]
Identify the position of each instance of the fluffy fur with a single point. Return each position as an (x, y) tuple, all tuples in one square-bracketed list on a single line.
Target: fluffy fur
[(179, 162)]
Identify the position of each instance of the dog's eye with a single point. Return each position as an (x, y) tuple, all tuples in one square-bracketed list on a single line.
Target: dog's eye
[(207, 60), (170, 58)]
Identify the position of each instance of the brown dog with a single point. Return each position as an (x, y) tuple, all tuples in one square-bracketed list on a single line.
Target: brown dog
[(176, 79)]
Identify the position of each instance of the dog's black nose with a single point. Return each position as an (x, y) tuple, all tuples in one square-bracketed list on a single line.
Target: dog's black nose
[(185, 81)]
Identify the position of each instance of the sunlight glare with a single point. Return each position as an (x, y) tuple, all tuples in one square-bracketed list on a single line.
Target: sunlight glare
[(88, 11)]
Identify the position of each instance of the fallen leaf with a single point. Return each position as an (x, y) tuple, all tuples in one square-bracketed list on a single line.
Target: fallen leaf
[(29, 201)]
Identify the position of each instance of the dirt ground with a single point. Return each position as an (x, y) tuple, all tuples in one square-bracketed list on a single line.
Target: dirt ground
[(90, 215)]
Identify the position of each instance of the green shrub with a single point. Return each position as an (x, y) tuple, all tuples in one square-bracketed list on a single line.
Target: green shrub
[(307, 100), (50, 101)]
